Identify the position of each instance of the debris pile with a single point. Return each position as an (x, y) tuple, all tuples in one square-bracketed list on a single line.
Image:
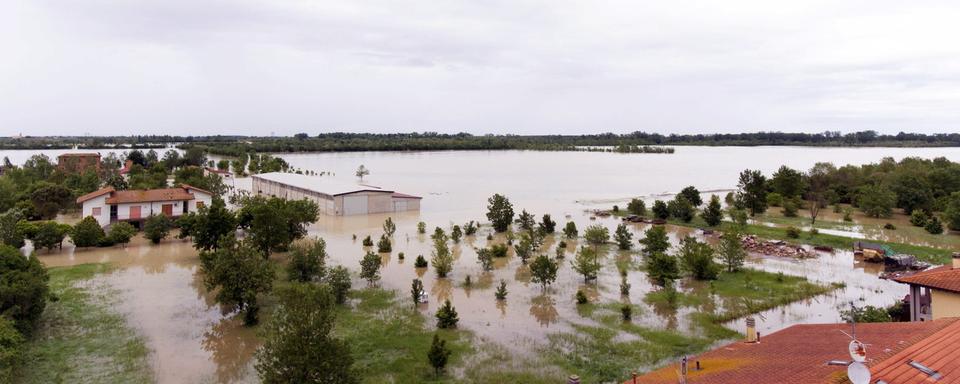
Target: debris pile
[(777, 248)]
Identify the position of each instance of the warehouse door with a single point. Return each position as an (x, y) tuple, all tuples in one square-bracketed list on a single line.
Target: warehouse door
[(355, 205), (399, 205)]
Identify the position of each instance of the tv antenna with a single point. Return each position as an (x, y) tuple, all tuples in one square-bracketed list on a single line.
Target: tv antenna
[(857, 372)]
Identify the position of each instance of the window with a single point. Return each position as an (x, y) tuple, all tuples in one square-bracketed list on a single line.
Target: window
[(96, 211), (199, 204)]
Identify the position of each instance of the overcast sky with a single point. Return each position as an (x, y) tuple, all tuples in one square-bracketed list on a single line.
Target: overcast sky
[(265, 67)]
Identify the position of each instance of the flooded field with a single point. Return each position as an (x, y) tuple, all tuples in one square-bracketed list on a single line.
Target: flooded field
[(192, 340)]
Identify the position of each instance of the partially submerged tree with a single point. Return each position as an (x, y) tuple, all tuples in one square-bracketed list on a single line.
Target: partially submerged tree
[(447, 316), (696, 258), (596, 234), (713, 214), (692, 195), (307, 261), (526, 220), (87, 233), (543, 271), (623, 237), (442, 258), (121, 233), (298, 345), (339, 281), (370, 267), (655, 240), (273, 223), (156, 228), (570, 230), (438, 354), (547, 225), (389, 227), (637, 207), (660, 210), (752, 191), (662, 268), (499, 212), (238, 272), (416, 291), (586, 263), (731, 250), (362, 171)]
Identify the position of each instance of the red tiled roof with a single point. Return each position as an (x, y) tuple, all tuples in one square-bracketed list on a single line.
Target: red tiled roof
[(938, 352), (143, 196), (187, 186), (944, 277), (94, 194), (798, 354)]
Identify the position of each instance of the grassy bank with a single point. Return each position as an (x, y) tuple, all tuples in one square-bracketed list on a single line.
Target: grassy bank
[(80, 339)]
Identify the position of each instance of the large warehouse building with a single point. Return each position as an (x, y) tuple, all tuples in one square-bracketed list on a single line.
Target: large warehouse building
[(334, 197)]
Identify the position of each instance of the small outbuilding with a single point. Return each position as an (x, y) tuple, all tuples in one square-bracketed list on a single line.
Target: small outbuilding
[(336, 198)]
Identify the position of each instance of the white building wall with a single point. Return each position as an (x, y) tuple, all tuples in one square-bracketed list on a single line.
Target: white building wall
[(98, 202), (198, 196)]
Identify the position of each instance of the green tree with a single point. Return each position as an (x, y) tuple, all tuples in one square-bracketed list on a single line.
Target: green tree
[(713, 213), (121, 233), (696, 258), (456, 233), (501, 292), (389, 227), (499, 212), (298, 345), (692, 195), (307, 261), (596, 234), (370, 267), (586, 263), (681, 208), (156, 228), (416, 291), (731, 250), (11, 345), (623, 237), (194, 176), (951, 211), (442, 258), (919, 217), (49, 199), (87, 233), (637, 207), (238, 273), (655, 240), (543, 271), (208, 225), (876, 201), (9, 233), (662, 268), (485, 258), (23, 284), (383, 245), (421, 227), (49, 234), (273, 223), (934, 226), (526, 220), (447, 316), (547, 225), (526, 246), (660, 210), (339, 281), (570, 230), (438, 354), (788, 182), (752, 191)]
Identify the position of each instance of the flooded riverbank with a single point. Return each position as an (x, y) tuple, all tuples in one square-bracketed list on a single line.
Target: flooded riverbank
[(192, 340)]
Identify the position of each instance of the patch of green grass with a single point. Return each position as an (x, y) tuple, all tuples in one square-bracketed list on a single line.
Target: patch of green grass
[(758, 291), (80, 340), (390, 340)]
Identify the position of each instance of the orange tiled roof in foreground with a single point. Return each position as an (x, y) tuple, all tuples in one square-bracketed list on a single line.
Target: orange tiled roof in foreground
[(143, 196), (799, 354), (944, 277), (940, 352)]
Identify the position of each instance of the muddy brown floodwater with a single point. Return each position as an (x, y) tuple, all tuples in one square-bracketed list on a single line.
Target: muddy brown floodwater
[(192, 340)]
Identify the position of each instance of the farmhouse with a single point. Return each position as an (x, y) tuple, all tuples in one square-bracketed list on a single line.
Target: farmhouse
[(108, 205), (334, 197), (78, 162), (935, 293)]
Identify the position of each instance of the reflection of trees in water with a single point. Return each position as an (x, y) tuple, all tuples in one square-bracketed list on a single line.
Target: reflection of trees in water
[(231, 347), (522, 274), (545, 310), (442, 289), (384, 259), (202, 294), (420, 272), (701, 289), (502, 306), (667, 313), (591, 290), (484, 280)]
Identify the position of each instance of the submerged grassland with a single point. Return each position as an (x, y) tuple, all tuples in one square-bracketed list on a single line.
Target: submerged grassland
[(80, 339)]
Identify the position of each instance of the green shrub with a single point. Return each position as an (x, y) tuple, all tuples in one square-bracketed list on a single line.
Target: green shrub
[(121, 233), (384, 246), (420, 262), (793, 232), (626, 312), (367, 241), (23, 284), (11, 349), (889, 226), (774, 199), (156, 228), (934, 226), (87, 233), (447, 316), (919, 217), (581, 297)]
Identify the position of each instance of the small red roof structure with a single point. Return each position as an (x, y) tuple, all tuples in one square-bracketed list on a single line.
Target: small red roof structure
[(944, 277), (95, 194), (149, 195), (799, 354)]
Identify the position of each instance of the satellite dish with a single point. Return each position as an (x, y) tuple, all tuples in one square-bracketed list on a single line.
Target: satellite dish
[(858, 351), (858, 373)]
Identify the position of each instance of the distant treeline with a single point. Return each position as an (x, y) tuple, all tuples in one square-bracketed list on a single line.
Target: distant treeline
[(345, 142)]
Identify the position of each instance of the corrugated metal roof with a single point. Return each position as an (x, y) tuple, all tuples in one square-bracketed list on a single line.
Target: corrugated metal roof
[(322, 184)]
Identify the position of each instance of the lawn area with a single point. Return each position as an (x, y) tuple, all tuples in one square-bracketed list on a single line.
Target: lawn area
[(80, 340), (389, 340)]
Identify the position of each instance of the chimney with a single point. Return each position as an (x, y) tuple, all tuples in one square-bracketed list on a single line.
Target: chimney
[(956, 260), (751, 330)]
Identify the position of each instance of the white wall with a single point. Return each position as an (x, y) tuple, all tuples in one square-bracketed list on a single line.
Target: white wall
[(197, 196), (100, 201)]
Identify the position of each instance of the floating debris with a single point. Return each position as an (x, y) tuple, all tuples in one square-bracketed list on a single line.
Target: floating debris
[(777, 248)]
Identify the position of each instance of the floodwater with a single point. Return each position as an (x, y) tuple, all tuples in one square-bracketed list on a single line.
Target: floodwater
[(192, 340)]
